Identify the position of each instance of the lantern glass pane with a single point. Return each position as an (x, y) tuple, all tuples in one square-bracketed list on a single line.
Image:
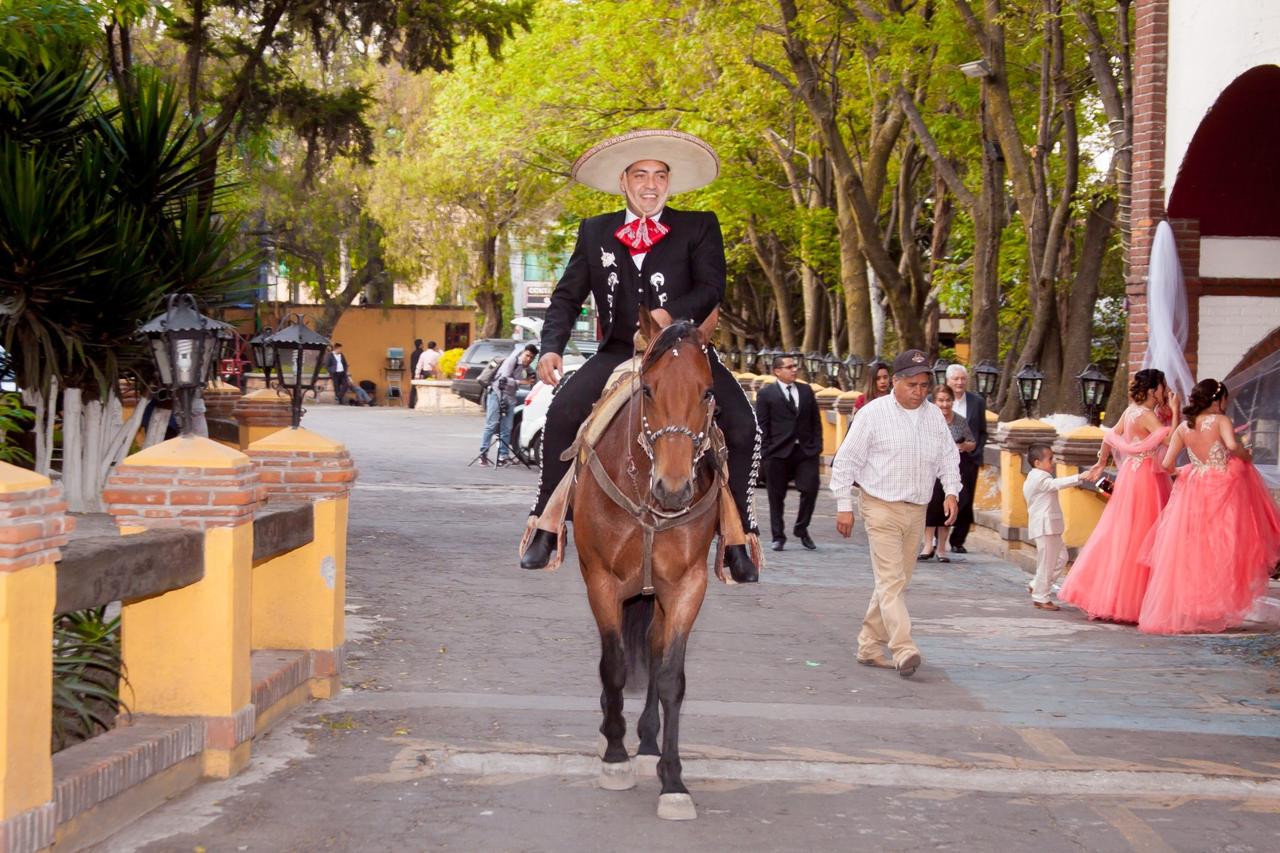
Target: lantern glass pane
[(160, 351), (209, 357), (312, 362)]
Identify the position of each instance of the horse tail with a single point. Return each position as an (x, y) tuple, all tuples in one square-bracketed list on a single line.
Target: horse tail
[(637, 614)]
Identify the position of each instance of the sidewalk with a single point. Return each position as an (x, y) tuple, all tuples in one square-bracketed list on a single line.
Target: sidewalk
[(472, 703)]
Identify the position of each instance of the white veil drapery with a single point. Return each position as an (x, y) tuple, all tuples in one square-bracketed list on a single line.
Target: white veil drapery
[(1167, 313)]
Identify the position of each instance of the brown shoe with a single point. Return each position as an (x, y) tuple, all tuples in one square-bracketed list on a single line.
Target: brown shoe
[(878, 662), (1046, 605), (908, 667)]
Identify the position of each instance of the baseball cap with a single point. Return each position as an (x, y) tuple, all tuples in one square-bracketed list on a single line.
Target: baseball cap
[(910, 363)]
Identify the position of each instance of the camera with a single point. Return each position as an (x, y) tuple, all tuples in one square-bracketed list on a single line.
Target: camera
[(1105, 484)]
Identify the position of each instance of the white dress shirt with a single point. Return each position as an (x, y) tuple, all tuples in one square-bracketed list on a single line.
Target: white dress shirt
[(1044, 512), (896, 454), (961, 405), (638, 260), (789, 394)]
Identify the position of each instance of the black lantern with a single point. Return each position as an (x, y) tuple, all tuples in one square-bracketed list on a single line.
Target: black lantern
[(226, 352), (184, 346), (813, 365), (263, 354), (1029, 381), (1094, 388), (939, 371), (854, 368), (832, 366), (298, 354), (986, 376), (749, 358)]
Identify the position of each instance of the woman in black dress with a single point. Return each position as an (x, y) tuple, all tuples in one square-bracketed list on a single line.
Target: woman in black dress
[(935, 517)]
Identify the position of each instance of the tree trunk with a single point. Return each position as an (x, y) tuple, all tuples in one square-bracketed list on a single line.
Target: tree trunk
[(856, 286), (768, 252)]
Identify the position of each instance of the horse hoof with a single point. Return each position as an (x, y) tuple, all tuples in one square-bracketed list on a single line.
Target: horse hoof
[(617, 776), (676, 807)]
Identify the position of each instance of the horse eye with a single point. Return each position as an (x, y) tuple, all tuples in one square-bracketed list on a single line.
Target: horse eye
[(706, 395), (648, 392)]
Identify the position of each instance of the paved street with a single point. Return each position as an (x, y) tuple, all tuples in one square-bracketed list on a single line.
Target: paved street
[(471, 705)]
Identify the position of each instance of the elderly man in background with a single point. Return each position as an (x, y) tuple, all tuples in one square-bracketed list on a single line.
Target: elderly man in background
[(895, 448), (973, 408)]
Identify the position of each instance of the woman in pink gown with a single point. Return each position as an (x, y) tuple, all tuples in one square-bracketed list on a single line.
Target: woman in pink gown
[(1211, 553), (1106, 581)]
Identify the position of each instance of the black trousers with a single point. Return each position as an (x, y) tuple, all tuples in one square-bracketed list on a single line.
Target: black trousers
[(734, 415), (964, 518), (778, 472)]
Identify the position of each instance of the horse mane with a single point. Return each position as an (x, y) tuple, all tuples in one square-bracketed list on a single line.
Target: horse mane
[(667, 340)]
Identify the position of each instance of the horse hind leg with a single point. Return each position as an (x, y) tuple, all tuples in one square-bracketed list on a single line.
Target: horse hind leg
[(646, 760)]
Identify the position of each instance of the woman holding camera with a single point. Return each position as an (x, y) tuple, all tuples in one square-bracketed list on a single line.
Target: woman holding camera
[(935, 517)]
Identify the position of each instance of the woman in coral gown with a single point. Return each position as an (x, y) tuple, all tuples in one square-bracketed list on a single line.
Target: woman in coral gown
[(1107, 581), (1210, 555)]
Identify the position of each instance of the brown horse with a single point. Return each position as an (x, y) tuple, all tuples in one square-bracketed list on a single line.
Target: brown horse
[(654, 467)]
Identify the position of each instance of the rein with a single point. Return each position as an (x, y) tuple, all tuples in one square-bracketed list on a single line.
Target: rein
[(650, 518)]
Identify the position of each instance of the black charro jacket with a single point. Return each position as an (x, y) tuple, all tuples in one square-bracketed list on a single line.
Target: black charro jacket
[(684, 274)]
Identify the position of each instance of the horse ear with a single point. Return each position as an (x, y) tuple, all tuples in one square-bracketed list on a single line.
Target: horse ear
[(707, 327), (649, 328)]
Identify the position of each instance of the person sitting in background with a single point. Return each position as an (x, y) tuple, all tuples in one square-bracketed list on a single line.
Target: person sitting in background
[(878, 382), (936, 525)]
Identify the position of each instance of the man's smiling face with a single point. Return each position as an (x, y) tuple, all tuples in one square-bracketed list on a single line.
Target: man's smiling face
[(645, 185)]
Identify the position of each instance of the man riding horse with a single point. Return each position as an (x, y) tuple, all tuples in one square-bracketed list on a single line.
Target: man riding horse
[(669, 261)]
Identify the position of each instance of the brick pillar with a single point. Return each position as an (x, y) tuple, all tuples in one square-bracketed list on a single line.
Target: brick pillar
[(187, 651), (1081, 508), (261, 413), (1150, 73), (1186, 236), (33, 526), (220, 400), (299, 603)]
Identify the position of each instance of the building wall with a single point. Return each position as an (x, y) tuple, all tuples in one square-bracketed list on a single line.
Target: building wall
[(1210, 45), (366, 332), (1229, 326)]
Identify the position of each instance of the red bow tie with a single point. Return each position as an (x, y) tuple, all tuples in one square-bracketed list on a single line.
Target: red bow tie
[(641, 235)]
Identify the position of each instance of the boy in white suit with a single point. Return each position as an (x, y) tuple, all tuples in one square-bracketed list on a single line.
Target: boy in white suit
[(1045, 523)]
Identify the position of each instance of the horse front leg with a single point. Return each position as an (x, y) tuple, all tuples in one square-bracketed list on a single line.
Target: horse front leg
[(616, 773), (675, 803)]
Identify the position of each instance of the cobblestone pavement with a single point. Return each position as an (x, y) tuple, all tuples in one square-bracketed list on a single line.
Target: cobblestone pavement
[(470, 712)]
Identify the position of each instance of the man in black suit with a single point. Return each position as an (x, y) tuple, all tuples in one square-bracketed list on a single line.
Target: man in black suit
[(791, 444), (410, 368), (973, 409), (647, 255), (339, 372)]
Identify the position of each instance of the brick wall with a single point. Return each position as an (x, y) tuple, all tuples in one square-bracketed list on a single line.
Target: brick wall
[(1150, 67)]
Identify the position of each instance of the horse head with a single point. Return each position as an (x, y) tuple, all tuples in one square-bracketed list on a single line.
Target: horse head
[(676, 407)]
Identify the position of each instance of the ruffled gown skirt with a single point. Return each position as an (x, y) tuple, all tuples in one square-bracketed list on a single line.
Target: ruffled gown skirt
[(1210, 556), (1107, 581)]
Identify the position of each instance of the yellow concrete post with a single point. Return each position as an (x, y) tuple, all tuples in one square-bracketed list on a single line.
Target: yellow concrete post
[(33, 526), (987, 491), (260, 413), (844, 415), (1013, 439), (1081, 508), (299, 598), (826, 399), (187, 651)]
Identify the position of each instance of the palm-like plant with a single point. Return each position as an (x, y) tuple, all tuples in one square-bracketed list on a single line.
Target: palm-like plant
[(87, 673), (104, 211)]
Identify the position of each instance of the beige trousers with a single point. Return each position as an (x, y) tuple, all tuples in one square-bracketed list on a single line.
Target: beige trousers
[(894, 529), (1051, 559)]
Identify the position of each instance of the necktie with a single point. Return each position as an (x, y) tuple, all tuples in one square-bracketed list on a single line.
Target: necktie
[(641, 235), (790, 399)]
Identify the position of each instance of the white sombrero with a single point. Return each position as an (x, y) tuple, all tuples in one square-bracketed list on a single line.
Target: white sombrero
[(692, 162)]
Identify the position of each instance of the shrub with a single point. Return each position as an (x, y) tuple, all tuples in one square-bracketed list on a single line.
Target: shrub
[(87, 673), (449, 362)]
